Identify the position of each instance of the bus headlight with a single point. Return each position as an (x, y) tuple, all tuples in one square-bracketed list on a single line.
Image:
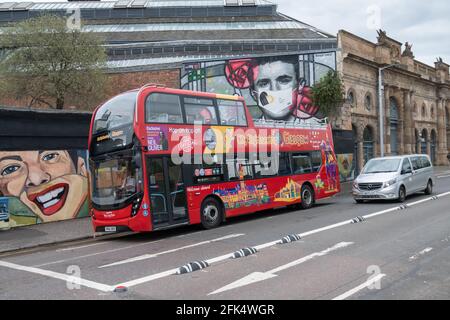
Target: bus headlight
[(135, 207)]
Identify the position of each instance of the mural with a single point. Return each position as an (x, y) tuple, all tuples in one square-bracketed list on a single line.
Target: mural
[(346, 167), (291, 192), (43, 186), (243, 195), (275, 88), (331, 167)]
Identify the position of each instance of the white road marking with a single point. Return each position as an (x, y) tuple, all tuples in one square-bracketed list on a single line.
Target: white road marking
[(444, 176), (59, 276), (260, 276), (421, 253), (154, 255), (81, 247), (270, 244), (96, 254), (149, 278), (360, 287)]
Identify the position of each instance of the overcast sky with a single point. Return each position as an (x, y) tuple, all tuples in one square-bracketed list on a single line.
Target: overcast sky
[(424, 23)]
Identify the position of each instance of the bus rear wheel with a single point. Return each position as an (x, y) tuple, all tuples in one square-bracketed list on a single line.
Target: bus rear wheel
[(307, 197), (211, 213)]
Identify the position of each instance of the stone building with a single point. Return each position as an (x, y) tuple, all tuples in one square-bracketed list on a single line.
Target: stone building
[(415, 96)]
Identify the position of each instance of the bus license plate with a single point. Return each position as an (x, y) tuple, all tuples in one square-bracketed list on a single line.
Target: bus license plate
[(110, 229)]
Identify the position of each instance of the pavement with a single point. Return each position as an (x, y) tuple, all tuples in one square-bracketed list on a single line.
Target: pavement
[(29, 237)]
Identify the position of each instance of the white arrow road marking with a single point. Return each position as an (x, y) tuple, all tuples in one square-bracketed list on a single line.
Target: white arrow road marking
[(360, 287), (260, 276), (60, 276), (421, 253), (150, 256)]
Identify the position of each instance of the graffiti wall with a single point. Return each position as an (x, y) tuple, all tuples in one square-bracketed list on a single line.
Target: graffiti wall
[(42, 186), (275, 88)]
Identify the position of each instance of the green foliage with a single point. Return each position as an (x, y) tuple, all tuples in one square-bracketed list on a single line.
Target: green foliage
[(328, 93), (50, 64)]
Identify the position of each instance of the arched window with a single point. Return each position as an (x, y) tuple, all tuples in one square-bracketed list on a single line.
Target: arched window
[(418, 142), (394, 125), (351, 98), (433, 146), (447, 118), (447, 124), (368, 101), (368, 144), (423, 141), (432, 111), (424, 111)]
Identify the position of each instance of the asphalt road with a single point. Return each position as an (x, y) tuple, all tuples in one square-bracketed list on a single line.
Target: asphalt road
[(394, 254)]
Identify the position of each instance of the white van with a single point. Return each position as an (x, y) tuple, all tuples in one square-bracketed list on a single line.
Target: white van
[(394, 178)]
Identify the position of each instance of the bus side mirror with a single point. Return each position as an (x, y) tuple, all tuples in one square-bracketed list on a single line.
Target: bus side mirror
[(138, 160)]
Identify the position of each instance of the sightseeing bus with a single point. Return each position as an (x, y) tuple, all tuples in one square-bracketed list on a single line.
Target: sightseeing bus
[(161, 158)]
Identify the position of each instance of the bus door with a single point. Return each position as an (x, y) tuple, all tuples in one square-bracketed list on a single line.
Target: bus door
[(167, 192)]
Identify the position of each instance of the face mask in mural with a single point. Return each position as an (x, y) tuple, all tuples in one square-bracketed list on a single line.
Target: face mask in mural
[(274, 85), (276, 105), (50, 183)]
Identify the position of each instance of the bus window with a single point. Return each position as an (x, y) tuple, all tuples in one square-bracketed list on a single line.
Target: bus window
[(163, 108), (204, 173), (284, 166), (117, 112), (301, 163), (316, 160), (232, 113), (239, 169), (200, 110)]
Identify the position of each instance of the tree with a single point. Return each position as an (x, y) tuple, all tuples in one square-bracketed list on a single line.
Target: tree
[(50, 64), (328, 93)]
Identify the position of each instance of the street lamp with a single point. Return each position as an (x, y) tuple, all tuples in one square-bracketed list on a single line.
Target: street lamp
[(380, 103)]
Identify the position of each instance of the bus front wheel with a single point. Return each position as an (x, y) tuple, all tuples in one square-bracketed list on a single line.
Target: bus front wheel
[(211, 213), (307, 197)]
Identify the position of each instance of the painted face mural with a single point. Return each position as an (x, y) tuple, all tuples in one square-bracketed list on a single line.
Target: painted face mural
[(274, 88), (52, 184)]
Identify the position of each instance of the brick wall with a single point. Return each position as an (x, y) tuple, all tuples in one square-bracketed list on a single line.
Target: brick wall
[(118, 82)]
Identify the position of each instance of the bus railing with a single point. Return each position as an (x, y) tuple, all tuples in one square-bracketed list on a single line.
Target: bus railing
[(312, 123)]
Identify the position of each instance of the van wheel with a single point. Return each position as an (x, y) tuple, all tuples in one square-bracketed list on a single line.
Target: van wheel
[(429, 189), (211, 213), (359, 201), (307, 197), (402, 194)]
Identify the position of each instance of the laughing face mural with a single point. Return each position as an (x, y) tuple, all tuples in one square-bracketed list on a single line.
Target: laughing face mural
[(52, 184)]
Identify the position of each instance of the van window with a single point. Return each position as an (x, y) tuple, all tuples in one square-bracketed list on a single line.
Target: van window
[(163, 108), (425, 162), (416, 163), (406, 166)]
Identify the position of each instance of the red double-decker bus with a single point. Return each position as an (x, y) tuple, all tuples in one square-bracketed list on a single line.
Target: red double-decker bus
[(161, 158)]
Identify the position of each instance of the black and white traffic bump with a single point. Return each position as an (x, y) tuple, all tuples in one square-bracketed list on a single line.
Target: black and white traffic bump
[(244, 252), (290, 238), (192, 266)]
